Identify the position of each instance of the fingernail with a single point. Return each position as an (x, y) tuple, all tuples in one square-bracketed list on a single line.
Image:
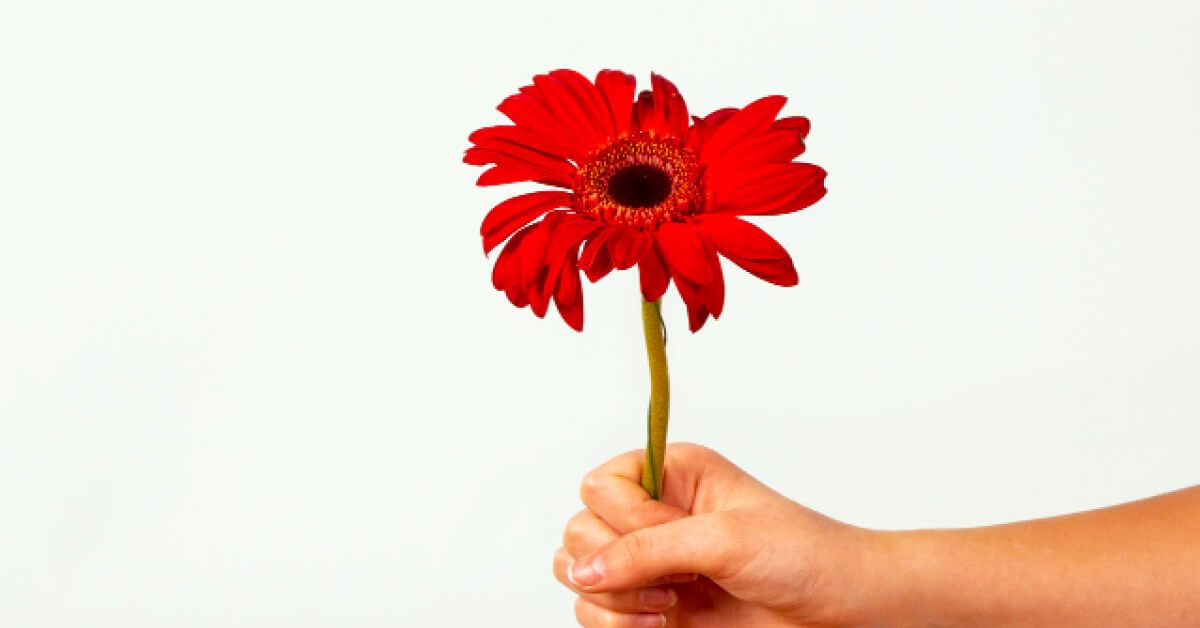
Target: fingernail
[(682, 578), (648, 620), (585, 573), (658, 597)]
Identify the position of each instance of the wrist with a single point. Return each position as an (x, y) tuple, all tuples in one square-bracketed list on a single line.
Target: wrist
[(891, 580), (859, 580)]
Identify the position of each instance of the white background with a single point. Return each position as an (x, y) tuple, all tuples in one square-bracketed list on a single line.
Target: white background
[(253, 373)]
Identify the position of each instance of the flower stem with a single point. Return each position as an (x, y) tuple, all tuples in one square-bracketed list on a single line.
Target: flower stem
[(660, 397)]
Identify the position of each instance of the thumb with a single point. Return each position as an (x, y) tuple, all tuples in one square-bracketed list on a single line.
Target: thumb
[(707, 544)]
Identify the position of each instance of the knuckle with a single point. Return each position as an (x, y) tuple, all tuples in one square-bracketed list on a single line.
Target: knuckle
[(591, 616), (640, 518), (590, 487), (637, 547), (721, 524), (652, 512), (581, 611), (559, 564), (721, 527), (730, 558), (696, 451), (573, 532)]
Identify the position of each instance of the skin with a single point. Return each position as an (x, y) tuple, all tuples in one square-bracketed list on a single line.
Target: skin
[(722, 549)]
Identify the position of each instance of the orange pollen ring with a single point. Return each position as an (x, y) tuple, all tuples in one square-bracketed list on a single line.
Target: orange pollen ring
[(639, 182)]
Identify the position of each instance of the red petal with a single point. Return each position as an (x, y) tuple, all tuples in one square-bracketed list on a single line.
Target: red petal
[(646, 116), (542, 289), (501, 153), (714, 290), (529, 111), (735, 237), (693, 297), (568, 233), (568, 111), (568, 295), (589, 99), (672, 108), (683, 251), (718, 117), (652, 275), (703, 128), (552, 244), (782, 141), (531, 257), (516, 212), (754, 117), (751, 248), (628, 246), (517, 296), (568, 289), (780, 272), (521, 136), (799, 124), (766, 188), (771, 145), (508, 167), (540, 293), (505, 272), (596, 259), (618, 88), (515, 173)]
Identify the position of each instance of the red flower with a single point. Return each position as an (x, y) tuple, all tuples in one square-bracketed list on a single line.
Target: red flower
[(640, 183)]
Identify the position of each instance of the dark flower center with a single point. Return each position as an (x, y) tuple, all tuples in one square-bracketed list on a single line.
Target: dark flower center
[(639, 185), (640, 182)]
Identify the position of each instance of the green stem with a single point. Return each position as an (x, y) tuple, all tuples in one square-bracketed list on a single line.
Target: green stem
[(660, 397)]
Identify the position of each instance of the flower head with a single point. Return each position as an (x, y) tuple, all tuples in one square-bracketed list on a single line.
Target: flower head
[(637, 182)]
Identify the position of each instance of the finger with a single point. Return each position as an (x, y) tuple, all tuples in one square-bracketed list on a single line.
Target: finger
[(585, 533), (614, 492), (710, 544), (564, 557), (591, 615), (649, 599)]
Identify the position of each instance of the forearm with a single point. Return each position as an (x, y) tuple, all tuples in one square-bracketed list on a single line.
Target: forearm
[(1136, 564)]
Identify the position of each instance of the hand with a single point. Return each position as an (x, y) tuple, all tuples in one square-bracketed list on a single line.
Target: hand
[(721, 549)]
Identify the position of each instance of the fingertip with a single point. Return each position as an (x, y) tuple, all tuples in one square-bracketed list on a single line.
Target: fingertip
[(650, 620), (656, 598), (586, 573), (571, 574)]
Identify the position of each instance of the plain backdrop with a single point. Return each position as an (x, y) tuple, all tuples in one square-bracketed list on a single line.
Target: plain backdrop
[(253, 372)]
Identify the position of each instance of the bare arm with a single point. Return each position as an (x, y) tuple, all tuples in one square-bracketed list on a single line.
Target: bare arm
[(1135, 564), (765, 561)]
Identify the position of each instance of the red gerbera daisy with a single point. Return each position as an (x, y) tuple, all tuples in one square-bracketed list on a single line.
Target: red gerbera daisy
[(640, 183)]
